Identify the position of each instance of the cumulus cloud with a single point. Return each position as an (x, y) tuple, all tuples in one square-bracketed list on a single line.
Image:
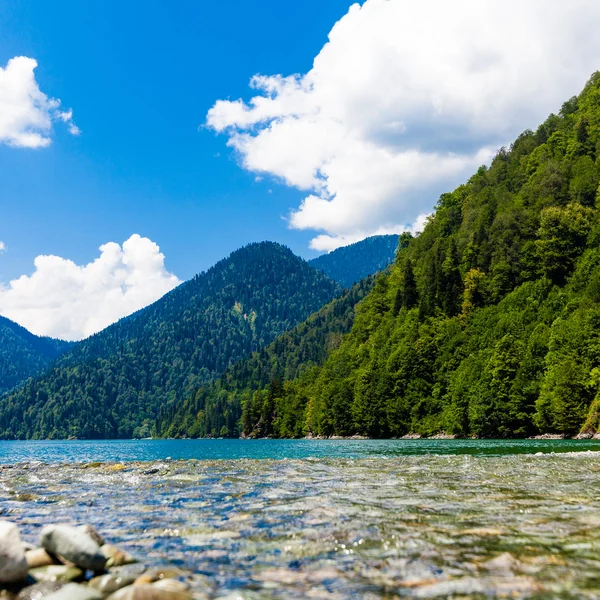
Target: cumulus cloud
[(26, 113), (405, 101), (69, 301), (2, 246)]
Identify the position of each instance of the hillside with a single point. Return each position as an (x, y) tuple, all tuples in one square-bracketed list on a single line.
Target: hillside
[(350, 264), (216, 409), (23, 354), (488, 324), (112, 384)]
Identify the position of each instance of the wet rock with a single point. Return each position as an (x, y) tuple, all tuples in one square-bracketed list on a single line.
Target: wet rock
[(13, 566), (38, 558), (108, 584), (133, 570), (171, 585), (74, 545), (40, 590), (584, 436), (62, 573), (74, 591), (149, 592), (93, 533), (156, 573), (115, 557)]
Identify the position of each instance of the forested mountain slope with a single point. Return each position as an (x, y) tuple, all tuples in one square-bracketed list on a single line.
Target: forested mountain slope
[(112, 384), (489, 322), (23, 354), (350, 264), (215, 409)]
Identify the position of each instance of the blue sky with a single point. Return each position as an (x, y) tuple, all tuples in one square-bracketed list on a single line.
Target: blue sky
[(140, 79), (204, 126)]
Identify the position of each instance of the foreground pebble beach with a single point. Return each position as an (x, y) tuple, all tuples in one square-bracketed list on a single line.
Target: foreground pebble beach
[(417, 526)]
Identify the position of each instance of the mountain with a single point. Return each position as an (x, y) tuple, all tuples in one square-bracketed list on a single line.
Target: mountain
[(216, 409), (488, 323), (23, 354), (112, 384), (350, 264)]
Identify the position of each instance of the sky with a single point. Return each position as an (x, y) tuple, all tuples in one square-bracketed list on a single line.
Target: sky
[(142, 142)]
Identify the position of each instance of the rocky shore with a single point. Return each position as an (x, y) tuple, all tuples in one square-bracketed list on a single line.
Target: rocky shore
[(76, 563)]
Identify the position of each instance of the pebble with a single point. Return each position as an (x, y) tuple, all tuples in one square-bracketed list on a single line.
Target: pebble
[(149, 592), (115, 557), (73, 544), (56, 573), (110, 583), (74, 591), (38, 558), (93, 533), (13, 566), (40, 590)]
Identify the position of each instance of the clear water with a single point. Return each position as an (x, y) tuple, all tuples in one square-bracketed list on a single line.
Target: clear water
[(329, 519), (149, 450)]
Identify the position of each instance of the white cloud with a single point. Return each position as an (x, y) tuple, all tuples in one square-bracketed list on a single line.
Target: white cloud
[(69, 301), (2, 246), (26, 113), (405, 101)]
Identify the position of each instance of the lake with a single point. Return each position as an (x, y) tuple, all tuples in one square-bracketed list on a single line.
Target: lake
[(329, 519), (208, 449)]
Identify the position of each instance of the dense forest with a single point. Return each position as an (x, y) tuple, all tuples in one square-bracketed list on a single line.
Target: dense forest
[(215, 409), (488, 323), (350, 264), (23, 354), (112, 384)]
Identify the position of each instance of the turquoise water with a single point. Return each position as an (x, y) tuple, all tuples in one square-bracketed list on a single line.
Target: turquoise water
[(151, 450)]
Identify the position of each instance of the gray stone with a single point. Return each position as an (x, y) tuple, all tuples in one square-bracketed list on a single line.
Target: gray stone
[(62, 573), (40, 590), (74, 591), (133, 570), (116, 557), (110, 583), (74, 545), (13, 566), (93, 533)]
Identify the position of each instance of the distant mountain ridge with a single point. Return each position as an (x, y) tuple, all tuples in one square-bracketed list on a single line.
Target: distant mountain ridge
[(216, 409), (23, 354), (349, 264), (112, 384)]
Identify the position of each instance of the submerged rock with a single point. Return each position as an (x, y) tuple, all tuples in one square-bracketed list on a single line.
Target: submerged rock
[(13, 566), (73, 544)]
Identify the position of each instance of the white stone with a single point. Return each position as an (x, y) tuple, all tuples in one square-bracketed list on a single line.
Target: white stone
[(13, 566)]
